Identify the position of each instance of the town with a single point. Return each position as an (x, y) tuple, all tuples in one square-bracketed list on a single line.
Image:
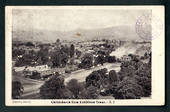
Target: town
[(89, 69)]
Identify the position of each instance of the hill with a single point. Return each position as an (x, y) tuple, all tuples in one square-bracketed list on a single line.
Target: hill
[(116, 32)]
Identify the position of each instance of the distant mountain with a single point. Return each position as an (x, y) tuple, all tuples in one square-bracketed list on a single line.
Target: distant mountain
[(117, 32)]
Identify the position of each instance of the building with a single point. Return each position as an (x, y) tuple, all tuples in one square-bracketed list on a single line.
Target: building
[(126, 58), (39, 68)]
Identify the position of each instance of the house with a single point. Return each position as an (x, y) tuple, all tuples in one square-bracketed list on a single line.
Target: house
[(39, 68), (126, 58)]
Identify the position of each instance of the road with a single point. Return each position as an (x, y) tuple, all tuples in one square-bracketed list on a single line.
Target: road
[(31, 87), (82, 74)]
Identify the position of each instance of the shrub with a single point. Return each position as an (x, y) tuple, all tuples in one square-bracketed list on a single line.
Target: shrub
[(145, 83), (143, 77), (47, 76), (113, 76), (87, 61), (17, 89), (72, 50), (74, 87), (110, 59), (90, 92), (35, 75), (128, 88), (64, 93), (92, 79), (100, 59), (78, 53), (29, 44), (52, 88), (135, 81), (97, 78)]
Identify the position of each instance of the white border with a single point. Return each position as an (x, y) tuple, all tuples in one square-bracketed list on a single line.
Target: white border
[(158, 62)]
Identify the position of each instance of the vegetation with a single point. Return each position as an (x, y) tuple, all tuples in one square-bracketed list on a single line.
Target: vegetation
[(42, 57), (72, 49), (54, 88), (128, 89), (59, 58), (133, 81), (90, 92), (30, 44), (17, 89), (35, 75), (113, 77), (75, 87), (78, 53), (87, 61), (25, 59), (97, 78)]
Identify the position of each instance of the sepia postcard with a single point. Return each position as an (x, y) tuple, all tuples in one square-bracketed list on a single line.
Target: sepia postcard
[(84, 55)]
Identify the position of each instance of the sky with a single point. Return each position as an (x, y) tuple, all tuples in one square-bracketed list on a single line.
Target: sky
[(71, 19)]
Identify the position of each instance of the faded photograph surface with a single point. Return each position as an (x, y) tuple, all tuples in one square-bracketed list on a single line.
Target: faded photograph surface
[(82, 53)]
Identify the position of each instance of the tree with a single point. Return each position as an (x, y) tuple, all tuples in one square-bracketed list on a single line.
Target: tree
[(110, 59), (143, 77), (26, 59), (56, 58), (113, 77), (128, 88), (53, 88), (64, 93), (135, 80), (43, 56), (58, 40), (64, 58), (17, 89), (90, 92), (78, 53), (97, 78), (72, 48), (59, 58), (65, 49), (87, 61), (35, 75), (100, 59), (93, 79), (74, 87), (17, 52), (30, 44), (127, 69)]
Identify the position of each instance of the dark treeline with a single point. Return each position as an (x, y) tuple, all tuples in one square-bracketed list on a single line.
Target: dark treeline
[(55, 58), (60, 55), (133, 81)]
